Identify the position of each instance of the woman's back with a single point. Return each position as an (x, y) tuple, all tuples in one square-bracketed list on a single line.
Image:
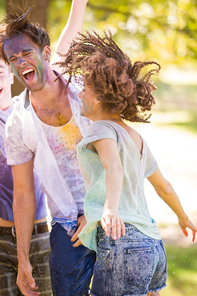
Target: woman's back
[(137, 166)]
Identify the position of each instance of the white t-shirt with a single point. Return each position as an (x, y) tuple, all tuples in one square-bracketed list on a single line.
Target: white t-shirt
[(25, 139)]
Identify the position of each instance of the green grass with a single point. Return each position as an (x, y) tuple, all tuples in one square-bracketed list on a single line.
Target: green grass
[(190, 125), (182, 271), (186, 120)]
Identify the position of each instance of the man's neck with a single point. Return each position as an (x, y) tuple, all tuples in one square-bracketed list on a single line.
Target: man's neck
[(51, 104), (50, 92)]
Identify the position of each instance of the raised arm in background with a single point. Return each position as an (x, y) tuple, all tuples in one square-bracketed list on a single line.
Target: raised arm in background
[(70, 31)]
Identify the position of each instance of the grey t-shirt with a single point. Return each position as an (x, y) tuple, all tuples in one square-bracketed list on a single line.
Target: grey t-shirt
[(133, 206)]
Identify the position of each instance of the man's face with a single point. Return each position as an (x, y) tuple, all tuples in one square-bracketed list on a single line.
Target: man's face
[(6, 79), (27, 62)]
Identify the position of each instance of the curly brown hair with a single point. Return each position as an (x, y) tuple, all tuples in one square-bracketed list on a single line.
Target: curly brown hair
[(112, 77), (17, 22)]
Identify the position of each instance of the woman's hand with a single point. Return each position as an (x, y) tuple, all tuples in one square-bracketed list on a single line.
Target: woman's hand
[(187, 223), (112, 223)]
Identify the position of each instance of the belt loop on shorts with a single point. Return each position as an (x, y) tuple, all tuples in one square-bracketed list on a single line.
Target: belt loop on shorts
[(13, 231), (35, 229)]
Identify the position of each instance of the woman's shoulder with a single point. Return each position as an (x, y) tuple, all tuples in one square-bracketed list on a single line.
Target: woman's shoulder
[(102, 125)]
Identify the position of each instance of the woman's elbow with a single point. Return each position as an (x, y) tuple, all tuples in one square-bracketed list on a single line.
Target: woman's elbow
[(165, 189)]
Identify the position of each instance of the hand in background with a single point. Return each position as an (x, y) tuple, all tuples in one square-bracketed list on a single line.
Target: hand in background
[(81, 222)]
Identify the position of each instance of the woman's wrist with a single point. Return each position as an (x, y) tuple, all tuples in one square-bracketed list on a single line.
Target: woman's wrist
[(111, 208), (183, 219)]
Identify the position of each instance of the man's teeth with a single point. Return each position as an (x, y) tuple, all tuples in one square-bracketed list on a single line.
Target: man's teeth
[(27, 71), (1, 88)]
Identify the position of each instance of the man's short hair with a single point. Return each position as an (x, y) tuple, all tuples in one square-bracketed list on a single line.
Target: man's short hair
[(16, 23)]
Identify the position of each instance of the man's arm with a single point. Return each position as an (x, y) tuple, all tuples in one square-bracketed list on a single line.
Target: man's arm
[(24, 208), (73, 26)]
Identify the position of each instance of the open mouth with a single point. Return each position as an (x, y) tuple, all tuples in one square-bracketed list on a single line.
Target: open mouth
[(1, 89), (28, 74)]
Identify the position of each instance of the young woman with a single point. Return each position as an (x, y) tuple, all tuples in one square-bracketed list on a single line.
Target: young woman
[(114, 160)]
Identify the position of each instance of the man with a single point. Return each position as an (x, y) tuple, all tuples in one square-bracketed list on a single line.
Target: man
[(43, 131), (39, 245)]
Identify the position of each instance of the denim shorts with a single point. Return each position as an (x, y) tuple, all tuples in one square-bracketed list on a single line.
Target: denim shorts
[(132, 265)]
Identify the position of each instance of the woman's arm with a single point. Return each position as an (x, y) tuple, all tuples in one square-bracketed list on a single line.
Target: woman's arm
[(111, 220), (165, 190)]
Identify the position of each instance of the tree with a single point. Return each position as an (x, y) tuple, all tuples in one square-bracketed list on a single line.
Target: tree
[(163, 30)]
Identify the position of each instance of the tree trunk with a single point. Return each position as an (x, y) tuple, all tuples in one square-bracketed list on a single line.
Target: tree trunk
[(38, 15)]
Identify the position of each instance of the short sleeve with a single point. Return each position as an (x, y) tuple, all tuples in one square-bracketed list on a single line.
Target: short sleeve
[(16, 151), (97, 131), (151, 164)]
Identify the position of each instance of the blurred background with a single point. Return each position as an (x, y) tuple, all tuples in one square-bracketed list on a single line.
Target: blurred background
[(165, 32)]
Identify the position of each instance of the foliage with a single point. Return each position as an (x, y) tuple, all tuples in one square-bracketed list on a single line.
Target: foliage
[(190, 125), (2, 9), (182, 264), (163, 30)]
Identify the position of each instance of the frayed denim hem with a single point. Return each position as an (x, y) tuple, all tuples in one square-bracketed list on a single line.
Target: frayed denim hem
[(124, 294), (156, 290), (149, 291)]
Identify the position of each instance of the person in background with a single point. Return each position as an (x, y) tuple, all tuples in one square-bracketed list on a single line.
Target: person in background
[(38, 246), (114, 161)]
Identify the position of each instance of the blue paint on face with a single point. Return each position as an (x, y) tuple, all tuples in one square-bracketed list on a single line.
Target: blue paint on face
[(27, 62)]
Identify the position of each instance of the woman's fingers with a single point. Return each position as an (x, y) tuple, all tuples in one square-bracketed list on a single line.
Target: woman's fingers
[(113, 226)]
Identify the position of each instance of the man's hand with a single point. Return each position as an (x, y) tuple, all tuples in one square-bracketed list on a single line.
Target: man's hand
[(81, 222), (25, 281)]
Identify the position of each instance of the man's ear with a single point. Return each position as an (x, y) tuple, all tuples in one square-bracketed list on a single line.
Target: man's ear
[(47, 53), (11, 78)]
